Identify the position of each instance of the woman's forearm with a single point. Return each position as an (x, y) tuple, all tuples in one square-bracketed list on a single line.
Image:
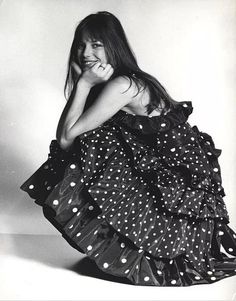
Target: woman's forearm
[(78, 103), (73, 109)]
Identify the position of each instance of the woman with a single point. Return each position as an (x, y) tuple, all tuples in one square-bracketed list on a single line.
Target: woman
[(100, 53), (128, 181)]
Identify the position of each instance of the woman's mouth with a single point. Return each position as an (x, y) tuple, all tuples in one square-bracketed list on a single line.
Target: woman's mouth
[(88, 63)]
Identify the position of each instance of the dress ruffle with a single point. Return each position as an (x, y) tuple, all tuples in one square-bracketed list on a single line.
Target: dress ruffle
[(142, 196)]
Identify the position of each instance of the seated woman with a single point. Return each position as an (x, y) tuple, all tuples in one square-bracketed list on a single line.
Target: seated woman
[(129, 181)]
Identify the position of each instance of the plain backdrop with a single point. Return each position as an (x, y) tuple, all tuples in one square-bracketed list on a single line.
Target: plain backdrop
[(189, 46)]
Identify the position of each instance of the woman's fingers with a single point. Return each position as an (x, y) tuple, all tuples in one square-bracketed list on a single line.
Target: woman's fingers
[(96, 66), (109, 72), (102, 69), (98, 73), (106, 71), (105, 68)]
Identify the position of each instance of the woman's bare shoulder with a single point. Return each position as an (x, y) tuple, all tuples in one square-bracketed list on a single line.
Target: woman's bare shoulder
[(125, 85), (117, 92)]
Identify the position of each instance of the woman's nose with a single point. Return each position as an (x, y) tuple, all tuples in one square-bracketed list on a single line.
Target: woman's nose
[(87, 51)]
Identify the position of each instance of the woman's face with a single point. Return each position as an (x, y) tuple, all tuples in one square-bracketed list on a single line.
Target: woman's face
[(89, 52)]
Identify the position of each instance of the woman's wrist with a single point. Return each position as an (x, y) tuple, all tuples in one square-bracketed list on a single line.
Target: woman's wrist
[(83, 83)]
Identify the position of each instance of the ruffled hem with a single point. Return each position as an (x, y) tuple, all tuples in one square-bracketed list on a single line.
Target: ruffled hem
[(115, 254)]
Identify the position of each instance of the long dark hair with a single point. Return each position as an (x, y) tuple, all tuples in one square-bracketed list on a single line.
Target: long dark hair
[(105, 27)]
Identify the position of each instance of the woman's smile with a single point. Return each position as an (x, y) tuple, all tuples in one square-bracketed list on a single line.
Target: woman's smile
[(88, 64)]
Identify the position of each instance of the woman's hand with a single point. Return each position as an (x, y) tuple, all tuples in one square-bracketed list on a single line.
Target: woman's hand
[(97, 74)]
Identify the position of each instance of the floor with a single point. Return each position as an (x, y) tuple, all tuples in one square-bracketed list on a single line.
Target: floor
[(46, 267)]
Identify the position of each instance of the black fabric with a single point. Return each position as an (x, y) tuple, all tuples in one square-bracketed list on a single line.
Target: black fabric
[(142, 196)]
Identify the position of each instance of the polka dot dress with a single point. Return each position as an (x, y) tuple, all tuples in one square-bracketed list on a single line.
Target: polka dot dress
[(142, 197)]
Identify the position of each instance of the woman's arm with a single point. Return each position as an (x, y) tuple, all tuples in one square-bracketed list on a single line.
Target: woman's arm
[(73, 109), (114, 96), (77, 100)]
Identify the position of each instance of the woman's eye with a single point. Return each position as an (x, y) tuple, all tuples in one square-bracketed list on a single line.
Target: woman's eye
[(96, 45)]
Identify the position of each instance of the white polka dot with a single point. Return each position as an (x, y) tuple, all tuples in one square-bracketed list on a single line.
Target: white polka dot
[(209, 272), (90, 207), (31, 186), (230, 249), (123, 260), (159, 272), (173, 281), (55, 202), (122, 245), (146, 278), (72, 166), (197, 278), (213, 278), (215, 169), (163, 124), (172, 149), (105, 265), (127, 271), (221, 233), (75, 209), (78, 234), (72, 184), (89, 248)]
